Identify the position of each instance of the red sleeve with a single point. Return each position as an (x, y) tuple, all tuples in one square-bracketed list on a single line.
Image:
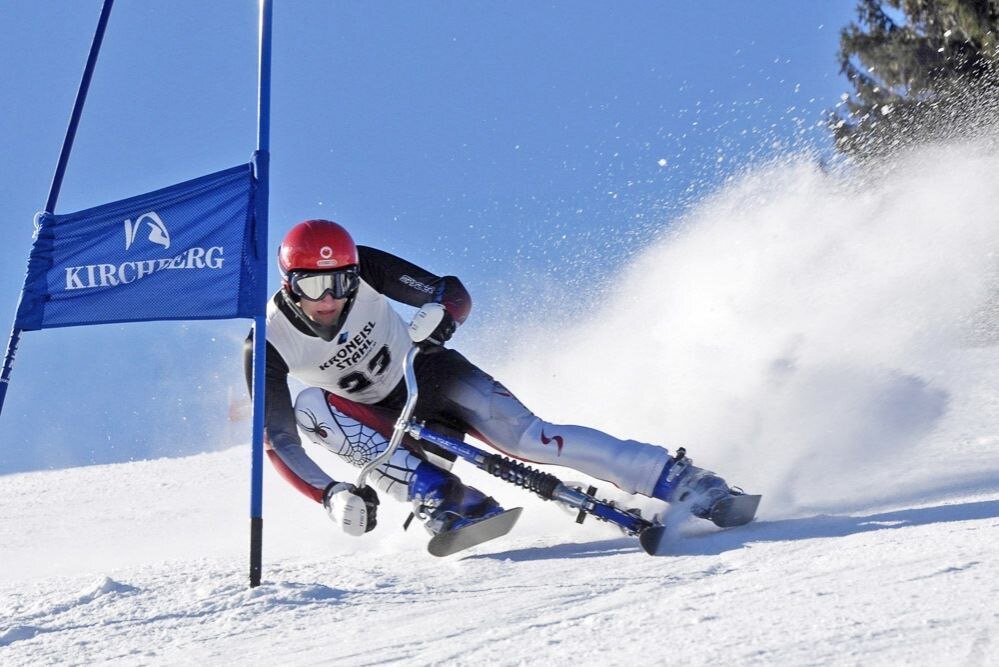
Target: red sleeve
[(286, 469)]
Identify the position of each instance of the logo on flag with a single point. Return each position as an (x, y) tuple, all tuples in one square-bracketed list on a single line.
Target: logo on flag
[(158, 233)]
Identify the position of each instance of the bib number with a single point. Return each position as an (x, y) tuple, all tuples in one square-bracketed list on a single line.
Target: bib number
[(358, 380)]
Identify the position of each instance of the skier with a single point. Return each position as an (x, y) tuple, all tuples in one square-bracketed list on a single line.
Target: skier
[(332, 327)]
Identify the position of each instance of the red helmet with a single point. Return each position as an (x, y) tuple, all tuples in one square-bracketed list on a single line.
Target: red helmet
[(318, 257), (316, 245)]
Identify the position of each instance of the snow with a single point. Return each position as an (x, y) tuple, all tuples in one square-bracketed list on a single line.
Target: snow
[(812, 341), (146, 572)]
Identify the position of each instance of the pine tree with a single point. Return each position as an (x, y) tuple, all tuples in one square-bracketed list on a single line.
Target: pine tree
[(913, 63)]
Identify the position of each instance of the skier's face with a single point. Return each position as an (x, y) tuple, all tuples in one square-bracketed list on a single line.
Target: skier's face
[(324, 312)]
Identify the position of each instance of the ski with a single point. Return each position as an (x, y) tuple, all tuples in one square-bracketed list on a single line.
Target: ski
[(652, 538), (453, 541), (735, 510)]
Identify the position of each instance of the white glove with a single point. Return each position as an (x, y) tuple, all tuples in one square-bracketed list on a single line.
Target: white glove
[(352, 509), (433, 324)]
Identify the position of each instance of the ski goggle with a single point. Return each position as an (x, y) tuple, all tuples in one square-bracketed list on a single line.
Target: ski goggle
[(314, 286)]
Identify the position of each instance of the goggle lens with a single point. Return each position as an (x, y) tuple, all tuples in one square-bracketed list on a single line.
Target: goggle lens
[(315, 286)]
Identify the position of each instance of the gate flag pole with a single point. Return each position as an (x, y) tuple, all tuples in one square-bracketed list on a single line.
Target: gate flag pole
[(261, 164), (67, 146), (229, 205)]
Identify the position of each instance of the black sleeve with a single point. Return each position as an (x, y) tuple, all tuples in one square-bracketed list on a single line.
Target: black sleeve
[(283, 444), (407, 283), (279, 414)]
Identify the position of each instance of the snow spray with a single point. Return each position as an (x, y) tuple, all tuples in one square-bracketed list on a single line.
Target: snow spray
[(826, 338)]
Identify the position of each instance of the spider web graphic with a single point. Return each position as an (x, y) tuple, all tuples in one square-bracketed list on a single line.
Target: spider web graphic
[(359, 445)]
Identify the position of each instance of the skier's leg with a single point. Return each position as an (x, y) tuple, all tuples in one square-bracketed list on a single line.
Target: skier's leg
[(496, 416), (340, 430), (633, 466)]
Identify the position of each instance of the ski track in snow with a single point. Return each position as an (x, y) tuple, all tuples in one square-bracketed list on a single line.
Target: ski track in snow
[(812, 343)]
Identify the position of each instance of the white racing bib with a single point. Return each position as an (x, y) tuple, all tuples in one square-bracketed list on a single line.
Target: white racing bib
[(363, 362)]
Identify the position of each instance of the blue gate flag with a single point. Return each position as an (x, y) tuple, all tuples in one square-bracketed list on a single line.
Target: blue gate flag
[(185, 252)]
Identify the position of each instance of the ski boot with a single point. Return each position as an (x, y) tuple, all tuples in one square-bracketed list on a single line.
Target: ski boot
[(704, 493), (457, 516)]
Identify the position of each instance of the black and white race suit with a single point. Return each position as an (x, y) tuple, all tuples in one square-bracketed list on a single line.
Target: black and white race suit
[(355, 391)]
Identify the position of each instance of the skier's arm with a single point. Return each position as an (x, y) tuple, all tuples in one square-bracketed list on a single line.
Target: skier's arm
[(282, 442), (407, 283)]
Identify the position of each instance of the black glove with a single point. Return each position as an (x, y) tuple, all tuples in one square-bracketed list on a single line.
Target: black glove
[(432, 324), (444, 330), (353, 509), (371, 502)]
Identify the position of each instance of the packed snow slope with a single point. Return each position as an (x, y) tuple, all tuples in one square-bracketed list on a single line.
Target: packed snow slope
[(828, 340)]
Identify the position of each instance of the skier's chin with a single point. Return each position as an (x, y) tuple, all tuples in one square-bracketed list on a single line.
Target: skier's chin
[(325, 319)]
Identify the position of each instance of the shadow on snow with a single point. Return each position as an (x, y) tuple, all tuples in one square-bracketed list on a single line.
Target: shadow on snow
[(717, 542)]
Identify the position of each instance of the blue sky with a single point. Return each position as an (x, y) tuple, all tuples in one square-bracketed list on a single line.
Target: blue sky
[(510, 144)]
